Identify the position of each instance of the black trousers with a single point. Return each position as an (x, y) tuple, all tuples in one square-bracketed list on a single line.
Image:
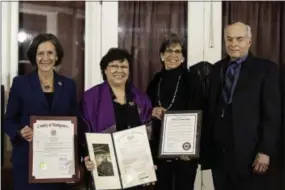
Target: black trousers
[(176, 175), (226, 175)]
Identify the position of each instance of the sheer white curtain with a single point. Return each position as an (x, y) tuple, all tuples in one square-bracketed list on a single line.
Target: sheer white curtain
[(9, 42)]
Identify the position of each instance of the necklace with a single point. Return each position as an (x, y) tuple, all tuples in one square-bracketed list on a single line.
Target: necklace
[(46, 87), (174, 96), (47, 84)]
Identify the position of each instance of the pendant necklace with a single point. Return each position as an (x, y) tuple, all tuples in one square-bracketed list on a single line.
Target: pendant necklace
[(174, 96), (46, 87)]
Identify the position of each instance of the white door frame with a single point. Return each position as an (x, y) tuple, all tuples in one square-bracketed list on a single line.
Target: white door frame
[(101, 29)]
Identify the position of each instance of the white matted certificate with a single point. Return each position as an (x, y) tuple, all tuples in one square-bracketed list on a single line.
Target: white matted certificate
[(123, 159), (180, 134), (53, 151)]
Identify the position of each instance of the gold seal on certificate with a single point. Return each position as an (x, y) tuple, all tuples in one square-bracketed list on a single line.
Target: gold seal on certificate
[(43, 165), (180, 134), (123, 159), (53, 151)]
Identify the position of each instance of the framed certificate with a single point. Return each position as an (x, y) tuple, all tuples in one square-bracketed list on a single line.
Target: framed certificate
[(123, 159), (180, 134), (53, 150)]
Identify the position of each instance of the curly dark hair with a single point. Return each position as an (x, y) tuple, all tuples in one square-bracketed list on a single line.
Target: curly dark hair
[(114, 54)]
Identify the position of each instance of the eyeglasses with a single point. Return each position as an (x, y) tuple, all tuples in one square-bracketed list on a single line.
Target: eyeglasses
[(177, 51), (116, 67)]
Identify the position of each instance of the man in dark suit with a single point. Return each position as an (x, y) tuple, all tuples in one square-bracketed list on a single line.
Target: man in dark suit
[(2, 119), (243, 115)]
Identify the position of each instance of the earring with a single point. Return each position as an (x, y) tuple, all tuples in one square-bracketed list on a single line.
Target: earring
[(162, 59)]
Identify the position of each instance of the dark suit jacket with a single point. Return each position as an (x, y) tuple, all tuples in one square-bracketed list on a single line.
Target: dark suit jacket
[(255, 109), (2, 119), (282, 138), (202, 70), (26, 99)]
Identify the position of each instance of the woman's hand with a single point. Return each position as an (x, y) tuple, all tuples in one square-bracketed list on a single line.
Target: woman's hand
[(185, 158), (89, 164), (27, 133), (158, 112)]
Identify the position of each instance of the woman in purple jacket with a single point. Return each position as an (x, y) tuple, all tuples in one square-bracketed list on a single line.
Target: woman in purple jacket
[(115, 103)]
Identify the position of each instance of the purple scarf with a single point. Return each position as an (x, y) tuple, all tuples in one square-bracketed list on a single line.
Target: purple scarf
[(98, 110)]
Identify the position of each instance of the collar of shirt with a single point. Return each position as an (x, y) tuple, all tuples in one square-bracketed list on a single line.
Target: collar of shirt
[(240, 60), (236, 70)]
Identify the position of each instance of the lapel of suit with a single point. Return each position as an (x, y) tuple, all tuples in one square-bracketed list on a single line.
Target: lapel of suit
[(58, 87), (38, 92), (245, 74), (216, 82)]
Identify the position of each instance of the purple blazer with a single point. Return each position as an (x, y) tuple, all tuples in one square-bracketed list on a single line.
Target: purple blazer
[(98, 111)]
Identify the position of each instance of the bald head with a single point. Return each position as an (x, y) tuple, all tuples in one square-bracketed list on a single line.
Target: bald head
[(237, 39)]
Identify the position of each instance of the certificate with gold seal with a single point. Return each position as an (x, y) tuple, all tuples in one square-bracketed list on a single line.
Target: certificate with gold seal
[(53, 150), (180, 134)]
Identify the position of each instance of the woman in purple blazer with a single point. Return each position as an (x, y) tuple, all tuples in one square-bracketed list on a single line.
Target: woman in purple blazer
[(115, 103)]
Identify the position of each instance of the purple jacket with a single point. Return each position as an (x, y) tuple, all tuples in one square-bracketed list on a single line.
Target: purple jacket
[(98, 112)]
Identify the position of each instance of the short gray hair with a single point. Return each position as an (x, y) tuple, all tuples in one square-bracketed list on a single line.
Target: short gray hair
[(247, 27), (248, 31)]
